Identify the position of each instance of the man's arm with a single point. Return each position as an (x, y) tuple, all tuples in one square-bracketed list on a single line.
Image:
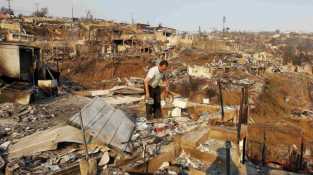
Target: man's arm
[(165, 80), (149, 77), (146, 82), (165, 83)]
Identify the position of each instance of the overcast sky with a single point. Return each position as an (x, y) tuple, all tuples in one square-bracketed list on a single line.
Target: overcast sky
[(244, 15)]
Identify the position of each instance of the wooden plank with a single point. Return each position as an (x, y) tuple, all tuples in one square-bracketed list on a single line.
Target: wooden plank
[(44, 141)]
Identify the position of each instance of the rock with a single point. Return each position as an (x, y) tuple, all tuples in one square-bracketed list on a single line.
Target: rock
[(52, 167), (176, 112), (4, 146), (6, 110), (26, 119), (69, 157), (15, 134), (164, 165), (31, 111), (142, 126), (180, 103), (7, 129), (206, 101), (3, 133)]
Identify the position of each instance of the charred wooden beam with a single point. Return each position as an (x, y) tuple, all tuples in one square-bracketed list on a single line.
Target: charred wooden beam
[(221, 99)]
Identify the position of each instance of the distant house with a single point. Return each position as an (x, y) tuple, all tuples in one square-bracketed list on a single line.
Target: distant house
[(19, 37), (18, 61)]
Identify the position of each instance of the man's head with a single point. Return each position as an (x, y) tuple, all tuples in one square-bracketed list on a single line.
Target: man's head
[(163, 66)]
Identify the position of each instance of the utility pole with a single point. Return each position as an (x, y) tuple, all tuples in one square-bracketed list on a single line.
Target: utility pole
[(200, 31), (72, 12), (37, 8), (9, 6), (221, 98), (73, 4), (132, 18), (224, 24), (72, 35)]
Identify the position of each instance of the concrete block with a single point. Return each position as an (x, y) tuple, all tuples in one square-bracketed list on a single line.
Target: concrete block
[(176, 112), (180, 103), (206, 101)]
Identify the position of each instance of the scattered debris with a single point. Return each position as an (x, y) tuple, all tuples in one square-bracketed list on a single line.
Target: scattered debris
[(224, 87), (201, 72)]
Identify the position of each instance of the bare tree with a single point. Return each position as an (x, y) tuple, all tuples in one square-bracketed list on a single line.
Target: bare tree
[(89, 15), (6, 11), (43, 12)]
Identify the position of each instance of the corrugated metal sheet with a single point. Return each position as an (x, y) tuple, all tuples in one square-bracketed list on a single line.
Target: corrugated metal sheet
[(10, 61), (45, 141), (106, 124)]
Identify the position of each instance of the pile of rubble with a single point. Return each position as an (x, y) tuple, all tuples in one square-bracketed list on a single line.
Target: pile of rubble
[(190, 138), (228, 111)]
